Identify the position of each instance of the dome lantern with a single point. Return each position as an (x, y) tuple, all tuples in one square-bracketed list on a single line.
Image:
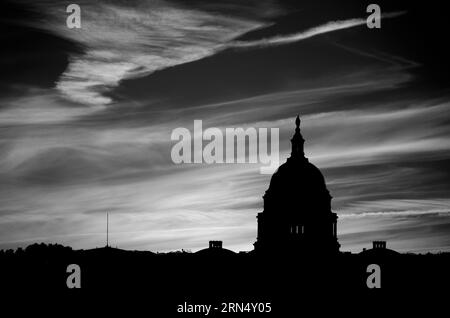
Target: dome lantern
[(297, 142)]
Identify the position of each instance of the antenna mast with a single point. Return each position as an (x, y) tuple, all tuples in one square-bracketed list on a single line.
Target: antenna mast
[(107, 229)]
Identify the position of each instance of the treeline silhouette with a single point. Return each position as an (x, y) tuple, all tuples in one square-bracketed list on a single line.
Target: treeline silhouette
[(112, 278), (43, 266)]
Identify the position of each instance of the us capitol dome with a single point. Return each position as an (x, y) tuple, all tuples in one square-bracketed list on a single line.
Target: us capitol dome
[(297, 212)]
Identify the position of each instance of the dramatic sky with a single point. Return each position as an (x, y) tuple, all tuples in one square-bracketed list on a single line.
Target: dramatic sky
[(86, 117)]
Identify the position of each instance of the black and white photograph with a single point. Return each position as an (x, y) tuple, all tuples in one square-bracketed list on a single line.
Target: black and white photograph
[(225, 157)]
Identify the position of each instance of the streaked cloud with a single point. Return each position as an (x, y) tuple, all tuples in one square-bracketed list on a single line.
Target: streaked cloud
[(331, 26), (124, 41), (418, 234)]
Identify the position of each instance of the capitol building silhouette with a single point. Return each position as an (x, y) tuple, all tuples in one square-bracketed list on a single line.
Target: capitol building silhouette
[(297, 212), (296, 245)]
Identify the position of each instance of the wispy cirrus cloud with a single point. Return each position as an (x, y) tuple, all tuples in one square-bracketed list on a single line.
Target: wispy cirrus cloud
[(123, 41), (331, 26), (420, 233), (398, 207)]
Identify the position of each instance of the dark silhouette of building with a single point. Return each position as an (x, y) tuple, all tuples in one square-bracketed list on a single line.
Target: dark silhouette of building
[(215, 249), (379, 250), (297, 212)]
